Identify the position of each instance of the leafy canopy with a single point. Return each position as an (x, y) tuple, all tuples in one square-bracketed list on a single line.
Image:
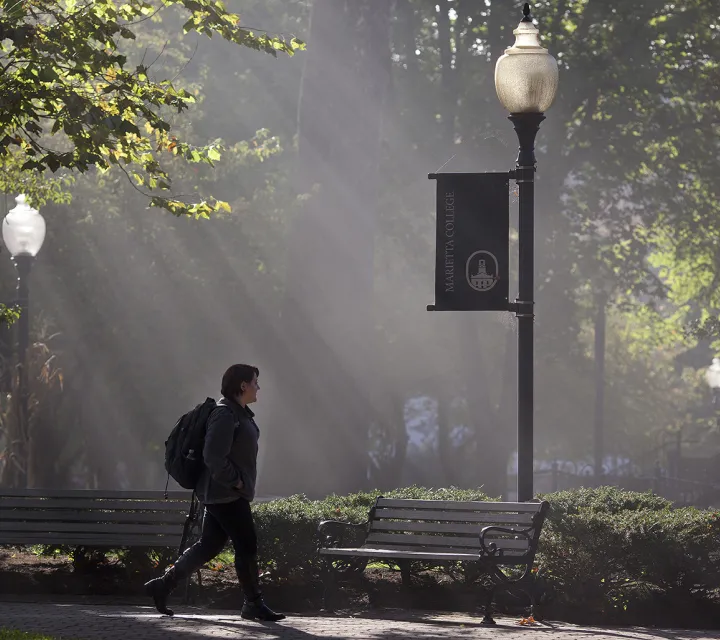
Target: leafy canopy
[(69, 98)]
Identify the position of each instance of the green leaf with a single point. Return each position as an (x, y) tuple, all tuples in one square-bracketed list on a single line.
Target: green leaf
[(52, 162), (47, 74)]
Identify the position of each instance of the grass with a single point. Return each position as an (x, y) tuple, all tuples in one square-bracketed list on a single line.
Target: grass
[(226, 557), (224, 560), (11, 634)]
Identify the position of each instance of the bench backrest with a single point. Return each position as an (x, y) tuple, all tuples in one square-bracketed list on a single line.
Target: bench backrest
[(93, 518), (443, 526)]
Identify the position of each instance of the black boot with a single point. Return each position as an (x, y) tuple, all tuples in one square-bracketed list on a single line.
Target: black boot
[(193, 558), (254, 607), (258, 610), (160, 588)]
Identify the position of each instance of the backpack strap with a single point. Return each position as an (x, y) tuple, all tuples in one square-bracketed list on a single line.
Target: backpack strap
[(189, 522)]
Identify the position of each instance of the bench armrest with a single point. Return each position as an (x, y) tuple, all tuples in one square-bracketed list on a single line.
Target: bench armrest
[(333, 533), (491, 548)]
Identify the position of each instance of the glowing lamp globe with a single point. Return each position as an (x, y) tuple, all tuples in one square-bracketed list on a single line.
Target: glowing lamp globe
[(23, 229), (526, 76), (712, 375)]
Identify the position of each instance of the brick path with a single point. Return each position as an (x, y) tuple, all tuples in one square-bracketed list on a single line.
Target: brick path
[(95, 622)]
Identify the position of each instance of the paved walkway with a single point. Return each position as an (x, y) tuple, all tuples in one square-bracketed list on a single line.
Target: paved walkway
[(94, 622)]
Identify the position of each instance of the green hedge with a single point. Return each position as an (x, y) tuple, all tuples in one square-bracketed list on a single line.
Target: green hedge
[(608, 552), (605, 554)]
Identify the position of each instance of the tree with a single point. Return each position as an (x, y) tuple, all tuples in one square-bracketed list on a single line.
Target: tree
[(105, 249), (71, 98)]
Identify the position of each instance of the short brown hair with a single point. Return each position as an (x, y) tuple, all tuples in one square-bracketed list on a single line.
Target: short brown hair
[(234, 377)]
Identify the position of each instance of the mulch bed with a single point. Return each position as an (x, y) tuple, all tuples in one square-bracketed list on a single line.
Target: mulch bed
[(26, 574)]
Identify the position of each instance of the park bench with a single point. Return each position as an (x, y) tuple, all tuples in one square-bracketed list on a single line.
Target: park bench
[(89, 519), (494, 536)]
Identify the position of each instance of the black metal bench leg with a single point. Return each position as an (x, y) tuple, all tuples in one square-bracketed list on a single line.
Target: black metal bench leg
[(535, 608), (531, 591), (405, 573), (328, 586), (488, 619)]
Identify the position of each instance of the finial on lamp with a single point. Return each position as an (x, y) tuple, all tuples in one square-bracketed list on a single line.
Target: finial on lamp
[(526, 13)]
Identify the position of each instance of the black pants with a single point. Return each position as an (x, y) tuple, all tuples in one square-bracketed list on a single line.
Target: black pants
[(234, 521)]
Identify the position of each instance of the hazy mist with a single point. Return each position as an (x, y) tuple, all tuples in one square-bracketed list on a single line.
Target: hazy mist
[(322, 273)]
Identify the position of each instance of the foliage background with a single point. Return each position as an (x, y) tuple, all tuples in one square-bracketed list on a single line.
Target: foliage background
[(147, 308)]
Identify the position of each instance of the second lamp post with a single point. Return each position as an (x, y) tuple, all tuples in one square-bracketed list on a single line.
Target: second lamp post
[(23, 232), (526, 80)]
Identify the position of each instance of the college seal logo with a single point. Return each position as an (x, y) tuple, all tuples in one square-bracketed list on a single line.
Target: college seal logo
[(481, 271)]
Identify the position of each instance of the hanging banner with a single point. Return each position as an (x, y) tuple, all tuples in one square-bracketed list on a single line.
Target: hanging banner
[(472, 242)]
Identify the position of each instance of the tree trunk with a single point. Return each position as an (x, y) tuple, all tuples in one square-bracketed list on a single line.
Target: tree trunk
[(407, 18), (392, 451), (447, 79)]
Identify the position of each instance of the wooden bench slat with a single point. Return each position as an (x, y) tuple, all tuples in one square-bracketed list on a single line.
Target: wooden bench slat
[(513, 550), (444, 541), (85, 504), (448, 516), (90, 540), (513, 507), (399, 553), (52, 515), (393, 554), (430, 541), (432, 527), (517, 553), (88, 527), (95, 493)]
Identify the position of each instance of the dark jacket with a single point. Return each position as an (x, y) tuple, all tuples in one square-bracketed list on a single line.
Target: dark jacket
[(230, 454)]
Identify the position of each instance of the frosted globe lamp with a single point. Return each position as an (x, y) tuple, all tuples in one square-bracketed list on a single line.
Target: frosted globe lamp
[(23, 229), (526, 76), (712, 375)]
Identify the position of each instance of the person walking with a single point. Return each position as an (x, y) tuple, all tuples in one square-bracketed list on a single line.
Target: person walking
[(226, 488)]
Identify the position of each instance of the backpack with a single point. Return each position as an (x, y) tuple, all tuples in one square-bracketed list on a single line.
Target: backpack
[(184, 446)]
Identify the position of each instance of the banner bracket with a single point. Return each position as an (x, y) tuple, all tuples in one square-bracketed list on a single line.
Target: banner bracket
[(510, 175), (522, 308)]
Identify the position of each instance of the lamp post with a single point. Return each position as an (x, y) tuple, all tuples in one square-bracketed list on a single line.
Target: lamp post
[(599, 417), (526, 81), (23, 232)]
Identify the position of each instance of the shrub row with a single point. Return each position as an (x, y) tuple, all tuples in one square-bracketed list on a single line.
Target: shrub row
[(605, 554), (626, 556)]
